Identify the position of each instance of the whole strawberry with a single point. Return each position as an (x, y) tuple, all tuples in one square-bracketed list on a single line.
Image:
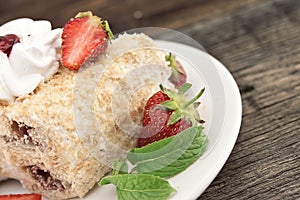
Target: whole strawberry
[(167, 113), (83, 37), (178, 76)]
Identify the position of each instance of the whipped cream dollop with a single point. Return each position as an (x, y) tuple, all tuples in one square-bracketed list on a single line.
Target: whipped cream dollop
[(33, 60)]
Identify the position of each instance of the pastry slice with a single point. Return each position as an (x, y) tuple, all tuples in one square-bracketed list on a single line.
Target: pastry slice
[(61, 139)]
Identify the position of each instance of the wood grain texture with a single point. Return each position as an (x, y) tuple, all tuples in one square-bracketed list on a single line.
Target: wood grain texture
[(122, 13), (259, 42), (261, 47)]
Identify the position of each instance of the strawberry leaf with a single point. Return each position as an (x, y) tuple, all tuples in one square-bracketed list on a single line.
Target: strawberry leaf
[(175, 117), (195, 98), (170, 156), (197, 117), (139, 186), (169, 104), (184, 87), (197, 104), (171, 94)]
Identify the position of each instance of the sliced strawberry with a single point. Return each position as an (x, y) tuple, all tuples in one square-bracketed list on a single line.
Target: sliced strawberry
[(167, 113), (178, 76), (21, 197), (7, 42), (84, 37)]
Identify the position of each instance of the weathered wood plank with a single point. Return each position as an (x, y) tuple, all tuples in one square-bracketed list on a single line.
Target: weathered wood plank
[(124, 14), (261, 47)]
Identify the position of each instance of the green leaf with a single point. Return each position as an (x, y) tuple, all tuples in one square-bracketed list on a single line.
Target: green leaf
[(197, 104), (173, 63), (119, 167), (175, 117), (197, 117), (171, 94), (169, 104), (184, 87), (139, 186), (170, 156), (195, 98)]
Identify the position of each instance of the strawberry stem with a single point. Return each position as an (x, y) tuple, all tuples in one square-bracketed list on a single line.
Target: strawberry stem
[(84, 14), (194, 99), (172, 60), (173, 63), (106, 27)]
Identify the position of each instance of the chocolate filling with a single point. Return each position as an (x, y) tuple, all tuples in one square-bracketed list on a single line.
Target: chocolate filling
[(22, 133), (47, 181), (21, 130)]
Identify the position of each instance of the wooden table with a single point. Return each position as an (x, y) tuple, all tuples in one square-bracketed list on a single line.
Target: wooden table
[(259, 42)]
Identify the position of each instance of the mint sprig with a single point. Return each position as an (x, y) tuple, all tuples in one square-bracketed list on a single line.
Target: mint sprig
[(154, 162), (170, 156), (139, 186)]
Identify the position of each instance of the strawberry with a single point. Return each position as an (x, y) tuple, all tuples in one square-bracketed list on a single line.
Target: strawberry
[(167, 113), (21, 197), (178, 76), (83, 37), (7, 42)]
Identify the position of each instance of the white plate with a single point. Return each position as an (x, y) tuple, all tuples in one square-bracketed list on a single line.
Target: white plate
[(221, 110)]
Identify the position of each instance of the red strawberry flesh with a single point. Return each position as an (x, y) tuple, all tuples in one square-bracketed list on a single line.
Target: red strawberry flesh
[(7, 42), (83, 37), (21, 197)]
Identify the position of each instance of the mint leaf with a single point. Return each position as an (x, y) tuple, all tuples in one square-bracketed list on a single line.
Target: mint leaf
[(139, 186), (119, 167), (170, 156)]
